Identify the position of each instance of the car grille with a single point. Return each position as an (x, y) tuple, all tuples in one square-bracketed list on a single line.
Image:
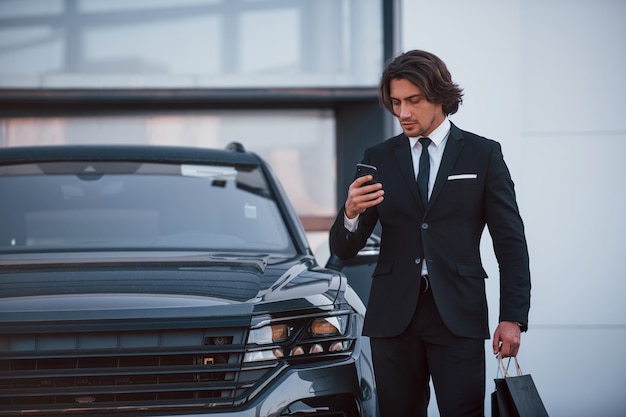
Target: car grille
[(126, 370)]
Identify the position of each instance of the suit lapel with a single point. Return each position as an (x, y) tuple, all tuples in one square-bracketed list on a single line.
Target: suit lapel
[(402, 151), (450, 155)]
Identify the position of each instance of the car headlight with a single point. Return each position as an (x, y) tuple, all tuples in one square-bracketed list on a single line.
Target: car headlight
[(269, 334), (301, 338)]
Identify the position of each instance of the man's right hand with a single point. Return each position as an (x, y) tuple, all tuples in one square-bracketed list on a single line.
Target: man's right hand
[(362, 197)]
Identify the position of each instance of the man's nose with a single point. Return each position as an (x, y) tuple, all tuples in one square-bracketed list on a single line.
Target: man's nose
[(403, 111)]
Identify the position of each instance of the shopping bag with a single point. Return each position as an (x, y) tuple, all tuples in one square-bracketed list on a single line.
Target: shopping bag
[(515, 396)]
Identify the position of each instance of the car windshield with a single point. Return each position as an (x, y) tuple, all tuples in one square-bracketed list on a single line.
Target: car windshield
[(112, 206)]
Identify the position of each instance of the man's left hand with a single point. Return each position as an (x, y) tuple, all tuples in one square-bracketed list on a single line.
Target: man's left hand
[(506, 339)]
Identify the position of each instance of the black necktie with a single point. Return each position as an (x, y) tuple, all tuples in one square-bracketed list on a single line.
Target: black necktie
[(424, 171)]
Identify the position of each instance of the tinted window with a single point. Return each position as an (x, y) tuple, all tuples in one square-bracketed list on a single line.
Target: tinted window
[(112, 206)]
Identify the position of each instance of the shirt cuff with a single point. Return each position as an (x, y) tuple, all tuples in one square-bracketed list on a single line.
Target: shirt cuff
[(350, 224)]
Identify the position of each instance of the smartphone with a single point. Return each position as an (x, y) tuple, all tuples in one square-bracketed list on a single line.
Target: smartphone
[(365, 169)]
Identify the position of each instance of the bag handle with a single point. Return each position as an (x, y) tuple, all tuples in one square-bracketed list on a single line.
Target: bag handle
[(505, 369)]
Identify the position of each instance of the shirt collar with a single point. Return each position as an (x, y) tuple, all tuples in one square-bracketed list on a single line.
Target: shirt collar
[(437, 136)]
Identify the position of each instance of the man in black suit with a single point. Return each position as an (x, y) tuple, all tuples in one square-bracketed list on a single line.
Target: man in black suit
[(427, 311)]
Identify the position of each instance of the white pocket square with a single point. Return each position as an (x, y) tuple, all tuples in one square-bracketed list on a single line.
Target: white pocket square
[(462, 177)]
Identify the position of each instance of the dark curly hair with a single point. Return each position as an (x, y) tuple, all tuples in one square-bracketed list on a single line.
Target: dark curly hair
[(429, 73)]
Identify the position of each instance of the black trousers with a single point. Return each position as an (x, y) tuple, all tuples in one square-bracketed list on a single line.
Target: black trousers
[(404, 365)]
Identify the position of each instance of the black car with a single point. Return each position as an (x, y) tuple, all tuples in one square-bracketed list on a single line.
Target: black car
[(167, 281)]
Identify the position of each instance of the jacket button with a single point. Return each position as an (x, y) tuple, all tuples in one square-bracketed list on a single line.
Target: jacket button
[(424, 226), (418, 260)]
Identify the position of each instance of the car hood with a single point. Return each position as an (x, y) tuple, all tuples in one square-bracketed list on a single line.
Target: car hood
[(177, 285)]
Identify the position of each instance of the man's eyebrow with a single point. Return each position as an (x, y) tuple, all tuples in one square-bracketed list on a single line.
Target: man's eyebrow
[(419, 95)]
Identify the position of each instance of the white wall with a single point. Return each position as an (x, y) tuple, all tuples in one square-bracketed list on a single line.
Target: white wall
[(547, 78)]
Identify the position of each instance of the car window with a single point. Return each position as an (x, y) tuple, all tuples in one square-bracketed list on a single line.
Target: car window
[(126, 205)]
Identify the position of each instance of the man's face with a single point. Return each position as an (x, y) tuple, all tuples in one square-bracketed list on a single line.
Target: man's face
[(417, 116)]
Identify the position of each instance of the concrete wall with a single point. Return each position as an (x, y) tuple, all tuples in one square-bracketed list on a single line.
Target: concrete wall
[(547, 78)]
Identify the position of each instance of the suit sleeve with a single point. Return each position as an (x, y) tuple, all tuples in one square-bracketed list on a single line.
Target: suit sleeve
[(509, 242), (346, 244)]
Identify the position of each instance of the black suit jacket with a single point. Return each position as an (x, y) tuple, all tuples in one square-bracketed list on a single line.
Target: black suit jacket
[(473, 188)]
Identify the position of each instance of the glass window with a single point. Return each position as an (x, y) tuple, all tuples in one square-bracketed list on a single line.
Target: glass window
[(190, 43), (299, 145), (121, 205)]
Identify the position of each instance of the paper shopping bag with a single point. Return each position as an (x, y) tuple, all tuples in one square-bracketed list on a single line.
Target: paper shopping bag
[(516, 396)]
